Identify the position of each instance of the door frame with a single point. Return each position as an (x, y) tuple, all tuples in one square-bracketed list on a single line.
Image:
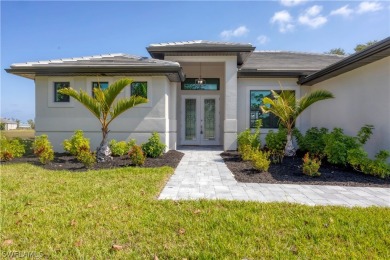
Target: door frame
[(199, 112)]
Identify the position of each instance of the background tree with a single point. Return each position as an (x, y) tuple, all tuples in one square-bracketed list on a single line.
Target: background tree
[(17, 123), (103, 106), (338, 51), (361, 47), (287, 108), (31, 123), (2, 126)]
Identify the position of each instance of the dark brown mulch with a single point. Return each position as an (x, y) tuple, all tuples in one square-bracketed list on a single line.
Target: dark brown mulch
[(64, 161), (290, 172)]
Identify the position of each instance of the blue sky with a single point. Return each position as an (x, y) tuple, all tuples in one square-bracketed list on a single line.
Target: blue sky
[(33, 31)]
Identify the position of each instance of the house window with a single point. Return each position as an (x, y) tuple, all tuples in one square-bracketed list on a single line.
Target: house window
[(58, 97), (138, 88), (211, 84), (101, 85), (269, 120)]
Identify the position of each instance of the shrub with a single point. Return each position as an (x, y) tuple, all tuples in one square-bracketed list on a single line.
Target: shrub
[(311, 165), (122, 147), (337, 145), (248, 138), (10, 149), (43, 149), (247, 152), (77, 143), (260, 160), (153, 147), (313, 141), (276, 142), (365, 133), (87, 158), (359, 160), (136, 155)]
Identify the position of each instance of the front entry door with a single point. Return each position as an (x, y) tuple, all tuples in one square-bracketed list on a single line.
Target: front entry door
[(200, 120)]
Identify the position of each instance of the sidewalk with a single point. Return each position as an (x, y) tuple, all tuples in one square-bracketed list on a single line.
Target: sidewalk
[(202, 174)]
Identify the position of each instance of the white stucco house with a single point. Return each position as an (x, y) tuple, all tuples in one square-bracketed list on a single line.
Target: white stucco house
[(9, 124), (204, 93)]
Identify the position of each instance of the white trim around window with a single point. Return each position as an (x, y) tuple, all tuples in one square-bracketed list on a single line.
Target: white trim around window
[(148, 81), (247, 102), (50, 92)]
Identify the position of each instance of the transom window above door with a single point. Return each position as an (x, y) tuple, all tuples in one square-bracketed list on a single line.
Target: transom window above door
[(211, 84)]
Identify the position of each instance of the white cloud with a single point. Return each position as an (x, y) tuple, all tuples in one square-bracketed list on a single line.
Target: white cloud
[(365, 7), (284, 20), (263, 39), (312, 17), (292, 2), (238, 32), (343, 11)]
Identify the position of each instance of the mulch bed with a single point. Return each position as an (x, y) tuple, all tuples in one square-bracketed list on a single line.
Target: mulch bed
[(290, 172), (64, 161)]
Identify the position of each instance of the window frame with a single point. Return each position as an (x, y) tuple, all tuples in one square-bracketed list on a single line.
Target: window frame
[(149, 82), (216, 80), (138, 81), (296, 89), (91, 80), (51, 99)]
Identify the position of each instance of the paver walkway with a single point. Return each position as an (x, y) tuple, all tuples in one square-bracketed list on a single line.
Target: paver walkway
[(202, 174)]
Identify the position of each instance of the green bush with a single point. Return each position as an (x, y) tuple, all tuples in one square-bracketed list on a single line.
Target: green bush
[(153, 147), (87, 158), (11, 148), (311, 165), (359, 160), (276, 142), (136, 155), (313, 141), (122, 147), (77, 143), (337, 145), (260, 160), (247, 152), (43, 149), (365, 133), (248, 138)]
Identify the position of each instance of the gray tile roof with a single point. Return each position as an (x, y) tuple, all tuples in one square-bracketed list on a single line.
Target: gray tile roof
[(107, 64), (200, 43), (371, 54), (117, 59), (288, 61), (7, 121)]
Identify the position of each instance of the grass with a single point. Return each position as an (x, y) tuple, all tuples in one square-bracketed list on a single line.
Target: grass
[(22, 133), (81, 215)]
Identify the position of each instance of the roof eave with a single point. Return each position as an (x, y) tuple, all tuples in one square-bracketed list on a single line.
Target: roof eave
[(370, 54)]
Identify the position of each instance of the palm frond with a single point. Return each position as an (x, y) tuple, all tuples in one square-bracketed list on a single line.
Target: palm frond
[(124, 104), (90, 103), (114, 89), (310, 99)]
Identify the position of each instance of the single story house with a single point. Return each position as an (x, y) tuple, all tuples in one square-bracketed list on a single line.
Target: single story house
[(9, 124), (204, 93)]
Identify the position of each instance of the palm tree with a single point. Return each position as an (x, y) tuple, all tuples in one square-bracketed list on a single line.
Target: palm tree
[(287, 109), (102, 106)]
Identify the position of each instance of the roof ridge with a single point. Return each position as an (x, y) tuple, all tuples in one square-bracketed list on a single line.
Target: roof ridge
[(299, 52)]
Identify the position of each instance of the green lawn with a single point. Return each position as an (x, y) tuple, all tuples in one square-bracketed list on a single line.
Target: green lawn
[(22, 133), (81, 215)]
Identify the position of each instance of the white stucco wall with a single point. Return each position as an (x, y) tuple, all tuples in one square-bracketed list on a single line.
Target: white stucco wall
[(362, 96), (59, 121)]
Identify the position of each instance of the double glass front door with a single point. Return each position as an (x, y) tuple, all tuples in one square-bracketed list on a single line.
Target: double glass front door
[(200, 120)]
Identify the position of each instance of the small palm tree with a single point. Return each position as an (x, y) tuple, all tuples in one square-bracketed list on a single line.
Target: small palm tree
[(287, 109), (103, 106)]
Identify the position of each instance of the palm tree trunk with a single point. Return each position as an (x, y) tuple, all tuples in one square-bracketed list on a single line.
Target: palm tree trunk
[(103, 153), (289, 149)]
